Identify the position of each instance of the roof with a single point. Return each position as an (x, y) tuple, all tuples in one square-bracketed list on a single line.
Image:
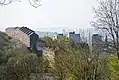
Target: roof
[(23, 29), (72, 32), (26, 30), (12, 28)]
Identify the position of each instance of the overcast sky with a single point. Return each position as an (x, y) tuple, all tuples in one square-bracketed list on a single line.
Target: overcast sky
[(52, 15)]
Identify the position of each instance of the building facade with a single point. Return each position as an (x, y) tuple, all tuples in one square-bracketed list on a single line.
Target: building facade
[(75, 37), (97, 43)]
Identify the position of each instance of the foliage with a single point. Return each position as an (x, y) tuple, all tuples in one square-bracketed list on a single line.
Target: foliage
[(16, 62), (64, 44), (114, 67), (3, 57), (71, 62), (20, 67), (76, 62)]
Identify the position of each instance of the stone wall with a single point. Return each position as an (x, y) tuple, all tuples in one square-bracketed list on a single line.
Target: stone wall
[(19, 35)]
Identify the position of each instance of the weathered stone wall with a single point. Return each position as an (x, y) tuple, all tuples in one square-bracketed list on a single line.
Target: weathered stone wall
[(18, 34)]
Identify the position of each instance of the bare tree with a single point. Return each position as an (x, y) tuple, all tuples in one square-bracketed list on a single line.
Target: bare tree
[(106, 17), (34, 3)]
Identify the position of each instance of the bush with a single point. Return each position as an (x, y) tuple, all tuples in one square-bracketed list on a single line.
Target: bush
[(114, 68)]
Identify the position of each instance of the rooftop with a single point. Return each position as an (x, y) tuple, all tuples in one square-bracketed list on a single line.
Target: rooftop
[(23, 29), (26, 30)]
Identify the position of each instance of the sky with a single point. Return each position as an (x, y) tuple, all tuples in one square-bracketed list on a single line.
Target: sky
[(53, 15)]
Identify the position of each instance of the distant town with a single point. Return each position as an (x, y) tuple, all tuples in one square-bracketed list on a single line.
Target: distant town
[(34, 40)]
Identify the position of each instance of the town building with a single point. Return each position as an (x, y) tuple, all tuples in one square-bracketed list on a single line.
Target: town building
[(97, 43), (75, 37), (27, 37)]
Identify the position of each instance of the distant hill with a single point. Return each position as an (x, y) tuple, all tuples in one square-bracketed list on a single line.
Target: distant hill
[(43, 34)]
